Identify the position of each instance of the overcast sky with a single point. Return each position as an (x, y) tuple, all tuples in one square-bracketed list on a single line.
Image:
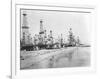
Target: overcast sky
[(60, 22)]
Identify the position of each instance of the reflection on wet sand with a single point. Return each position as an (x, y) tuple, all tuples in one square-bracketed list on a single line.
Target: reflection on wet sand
[(56, 58)]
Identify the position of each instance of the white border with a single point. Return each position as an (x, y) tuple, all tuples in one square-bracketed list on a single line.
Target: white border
[(26, 74)]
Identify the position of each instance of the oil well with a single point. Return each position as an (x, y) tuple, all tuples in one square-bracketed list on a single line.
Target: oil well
[(42, 40)]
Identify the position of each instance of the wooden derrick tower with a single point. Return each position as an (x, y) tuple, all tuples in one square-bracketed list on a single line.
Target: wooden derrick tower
[(61, 41), (51, 37), (41, 33), (78, 41), (71, 38), (25, 30)]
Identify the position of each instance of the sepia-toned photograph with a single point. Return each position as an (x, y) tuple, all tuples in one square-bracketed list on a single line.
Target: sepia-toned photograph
[(54, 39)]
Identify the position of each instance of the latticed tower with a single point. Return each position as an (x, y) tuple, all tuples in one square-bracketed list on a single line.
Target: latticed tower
[(61, 40), (41, 27), (78, 40), (71, 38), (51, 37), (41, 33), (25, 29)]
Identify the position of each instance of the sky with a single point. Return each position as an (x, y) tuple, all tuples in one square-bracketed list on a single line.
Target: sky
[(59, 23)]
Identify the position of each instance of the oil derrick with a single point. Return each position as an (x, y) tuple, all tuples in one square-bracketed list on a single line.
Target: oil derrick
[(36, 39), (29, 39), (23, 39), (41, 33), (51, 37), (25, 30), (45, 37), (50, 40), (71, 38), (78, 41), (61, 41), (45, 34), (41, 27)]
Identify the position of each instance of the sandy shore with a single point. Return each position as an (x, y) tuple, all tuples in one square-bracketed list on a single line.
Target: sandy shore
[(56, 58)]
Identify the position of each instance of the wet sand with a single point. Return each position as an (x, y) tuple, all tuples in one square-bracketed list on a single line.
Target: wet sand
[(55, 58)]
